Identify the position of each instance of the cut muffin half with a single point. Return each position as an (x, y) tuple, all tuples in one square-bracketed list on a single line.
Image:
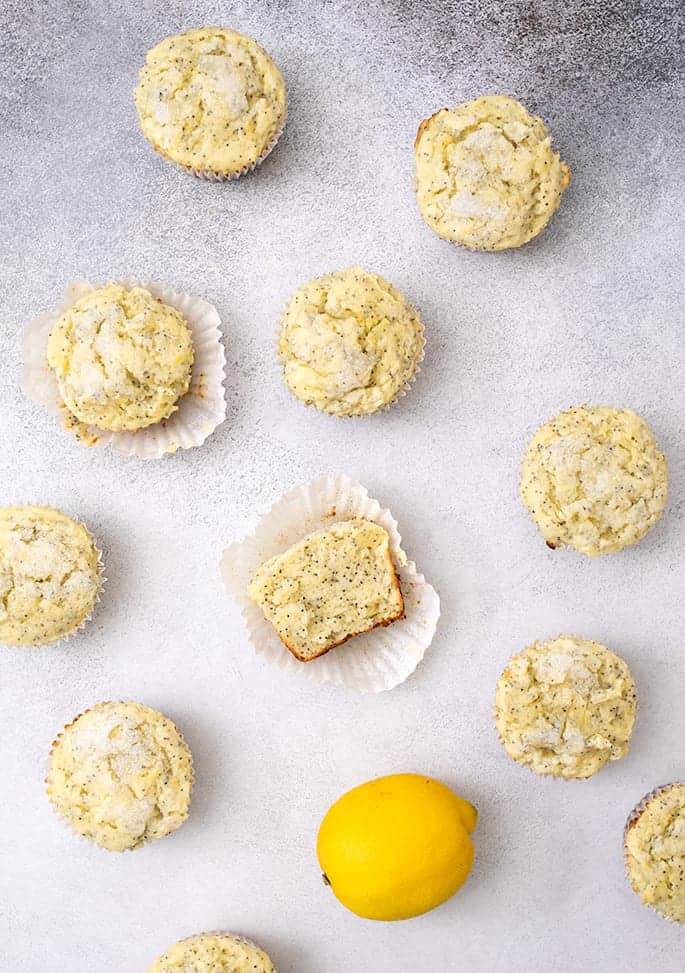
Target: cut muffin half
[(335, 583)]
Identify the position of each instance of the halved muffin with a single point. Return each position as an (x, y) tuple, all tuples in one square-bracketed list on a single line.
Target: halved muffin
[(335, 583)]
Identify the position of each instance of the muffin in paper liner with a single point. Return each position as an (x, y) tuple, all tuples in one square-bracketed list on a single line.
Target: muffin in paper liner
[(84, 837), (561, 763), (593, 479), (200, 411), (372, 662), (633, 817), (215, 933), (401, 392), (101, 577), (476, 202), (177, 69)]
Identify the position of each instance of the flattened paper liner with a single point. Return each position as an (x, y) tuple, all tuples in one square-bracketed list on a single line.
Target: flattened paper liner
[(632, 818), (372, 662), (84, 837), (200, 410)]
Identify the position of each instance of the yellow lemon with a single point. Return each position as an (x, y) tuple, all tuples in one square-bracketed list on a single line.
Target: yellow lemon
[(396, 846)]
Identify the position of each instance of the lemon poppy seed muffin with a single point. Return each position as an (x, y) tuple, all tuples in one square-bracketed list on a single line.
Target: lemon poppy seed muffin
[(593, 479), (121, 774), (122, 358), (213, 953), (565, 707), (350, 342), (655, 851), (486, 175), (49, 575), (335, 583), (211, 100)]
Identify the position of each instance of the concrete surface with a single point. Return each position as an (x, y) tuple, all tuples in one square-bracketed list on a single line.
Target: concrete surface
[(590, 312)]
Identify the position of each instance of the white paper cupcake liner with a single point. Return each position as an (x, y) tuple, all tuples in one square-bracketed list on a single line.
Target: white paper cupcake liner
[(83, 837), (102, 581), (384, 408), (200, 410), (632, 818), (211, 175), (369, 663)]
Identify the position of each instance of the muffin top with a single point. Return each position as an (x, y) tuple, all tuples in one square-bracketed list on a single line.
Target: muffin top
[(122, 358), (594, 479), (121, 774), (211, 99), (655, 851), (49, 575), (565, 707), (349, 342), (486, 175), (213, 953)]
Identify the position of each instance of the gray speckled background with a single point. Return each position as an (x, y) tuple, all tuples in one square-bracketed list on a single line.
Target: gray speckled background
[(589, 312)]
